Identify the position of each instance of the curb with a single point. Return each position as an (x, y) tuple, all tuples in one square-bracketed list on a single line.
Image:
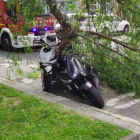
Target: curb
[(82, 109), (132, 136)]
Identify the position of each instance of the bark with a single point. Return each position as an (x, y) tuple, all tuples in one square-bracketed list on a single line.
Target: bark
[(116, 8), (103, 6), (68, 32)]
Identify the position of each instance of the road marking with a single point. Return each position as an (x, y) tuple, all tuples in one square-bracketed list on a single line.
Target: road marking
[(8, 60), (12, 61), (114, 101), (127, 104), (4, 65), (126, 119), (31, 65), (25, 80)]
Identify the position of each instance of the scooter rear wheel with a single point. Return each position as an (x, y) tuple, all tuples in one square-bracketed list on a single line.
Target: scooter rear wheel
[(94, 96), (46, 80)]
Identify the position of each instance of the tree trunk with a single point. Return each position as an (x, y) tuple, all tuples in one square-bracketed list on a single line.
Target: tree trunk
[(68, 32), (103, 6), (116, 8)]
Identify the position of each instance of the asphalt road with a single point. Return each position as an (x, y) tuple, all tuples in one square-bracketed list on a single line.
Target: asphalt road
[(119, 104)]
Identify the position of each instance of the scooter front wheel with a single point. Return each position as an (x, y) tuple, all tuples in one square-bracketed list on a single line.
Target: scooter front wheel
[(94, 96), (46, 80)]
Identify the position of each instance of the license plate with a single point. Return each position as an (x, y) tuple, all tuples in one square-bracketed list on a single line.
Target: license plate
[(36, 42)]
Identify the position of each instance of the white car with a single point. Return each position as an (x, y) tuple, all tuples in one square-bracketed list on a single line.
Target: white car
[(100, 23), (107, 23), (71, 18)]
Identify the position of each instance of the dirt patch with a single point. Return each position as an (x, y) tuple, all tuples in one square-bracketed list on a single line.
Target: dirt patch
[(16, 102), (12, 101)]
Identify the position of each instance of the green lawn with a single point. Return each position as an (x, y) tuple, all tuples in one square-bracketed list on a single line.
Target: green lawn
[(26, 117)]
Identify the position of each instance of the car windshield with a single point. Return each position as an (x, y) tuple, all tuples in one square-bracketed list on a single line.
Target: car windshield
[(46, 15), (77, 17), (110, 18), (102, 18), (106, 18)]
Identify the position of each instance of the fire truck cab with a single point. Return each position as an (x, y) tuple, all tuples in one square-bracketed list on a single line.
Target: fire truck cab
[(9, 28)]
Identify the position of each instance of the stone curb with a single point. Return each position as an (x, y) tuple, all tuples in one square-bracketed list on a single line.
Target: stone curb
[(82, 109), (132, 136)]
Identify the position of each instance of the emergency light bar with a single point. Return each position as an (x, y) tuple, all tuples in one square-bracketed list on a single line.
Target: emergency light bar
[(34, 29), (45, 29)]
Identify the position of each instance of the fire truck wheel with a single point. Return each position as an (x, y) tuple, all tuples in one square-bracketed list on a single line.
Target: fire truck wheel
[(6, 43)]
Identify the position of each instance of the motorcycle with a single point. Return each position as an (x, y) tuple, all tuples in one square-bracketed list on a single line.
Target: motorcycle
[(73, 74)]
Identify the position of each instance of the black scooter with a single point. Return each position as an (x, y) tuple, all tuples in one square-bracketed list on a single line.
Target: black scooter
[(73, 74)]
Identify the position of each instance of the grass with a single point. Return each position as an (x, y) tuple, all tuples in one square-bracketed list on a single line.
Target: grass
[(19, 72), (36, 68), (26, 117), (33, 75)]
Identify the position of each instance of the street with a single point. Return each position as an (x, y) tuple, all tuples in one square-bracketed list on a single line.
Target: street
[(118, 104)]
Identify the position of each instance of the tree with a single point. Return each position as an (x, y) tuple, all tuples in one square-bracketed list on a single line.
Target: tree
[(120, 69)]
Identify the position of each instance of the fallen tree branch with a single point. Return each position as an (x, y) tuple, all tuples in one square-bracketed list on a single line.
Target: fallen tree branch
[(114, 40), (66, 28), (116, 52), (106, 55)]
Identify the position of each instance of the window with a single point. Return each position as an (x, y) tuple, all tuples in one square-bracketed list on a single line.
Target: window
[(114, 18), (11, 12), (108, 7)]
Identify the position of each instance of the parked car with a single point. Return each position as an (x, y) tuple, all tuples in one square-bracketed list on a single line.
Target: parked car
[(100, 23), (72, 17), (105, 23)]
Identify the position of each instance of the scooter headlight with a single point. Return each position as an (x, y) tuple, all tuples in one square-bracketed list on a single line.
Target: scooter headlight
[(83, 74)]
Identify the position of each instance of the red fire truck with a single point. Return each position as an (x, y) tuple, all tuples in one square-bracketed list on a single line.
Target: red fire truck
[(9, 28)]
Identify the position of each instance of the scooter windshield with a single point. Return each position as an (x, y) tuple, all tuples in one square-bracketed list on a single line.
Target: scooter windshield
[(72, 69)]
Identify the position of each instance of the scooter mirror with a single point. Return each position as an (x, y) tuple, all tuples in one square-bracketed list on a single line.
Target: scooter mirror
[(69, 47)]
